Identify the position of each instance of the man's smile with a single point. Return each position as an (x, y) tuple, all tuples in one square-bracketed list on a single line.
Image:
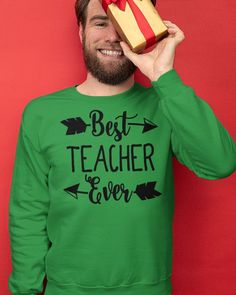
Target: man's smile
[(111, 53)]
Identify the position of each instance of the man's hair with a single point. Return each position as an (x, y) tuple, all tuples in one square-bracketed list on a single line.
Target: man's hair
[(81, 7)]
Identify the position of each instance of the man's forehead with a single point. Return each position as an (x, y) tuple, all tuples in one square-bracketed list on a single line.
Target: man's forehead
[(95, 8)]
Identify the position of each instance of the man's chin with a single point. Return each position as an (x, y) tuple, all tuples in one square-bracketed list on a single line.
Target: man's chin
[(112, 71)]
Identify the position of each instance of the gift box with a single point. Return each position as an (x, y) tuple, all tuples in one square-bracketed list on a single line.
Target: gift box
[(136, 21)]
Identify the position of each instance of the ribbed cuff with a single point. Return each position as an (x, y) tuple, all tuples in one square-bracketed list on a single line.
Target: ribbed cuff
[(168, 84)]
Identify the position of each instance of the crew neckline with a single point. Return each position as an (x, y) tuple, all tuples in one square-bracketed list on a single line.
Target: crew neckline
[(125, 95)]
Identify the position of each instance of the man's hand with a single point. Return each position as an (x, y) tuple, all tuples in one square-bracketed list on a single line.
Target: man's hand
[(161, 59)]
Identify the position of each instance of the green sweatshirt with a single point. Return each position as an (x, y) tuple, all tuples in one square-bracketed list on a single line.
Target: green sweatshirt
[(92, 195)]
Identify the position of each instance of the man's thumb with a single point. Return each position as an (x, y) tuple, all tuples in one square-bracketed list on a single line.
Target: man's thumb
[(129, 53)]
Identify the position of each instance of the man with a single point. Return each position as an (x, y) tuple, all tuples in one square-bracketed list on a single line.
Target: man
[(92, 196), (115, 69)]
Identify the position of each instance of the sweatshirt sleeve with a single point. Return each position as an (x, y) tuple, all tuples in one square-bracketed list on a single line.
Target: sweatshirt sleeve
[(28, 208), (198, 139)]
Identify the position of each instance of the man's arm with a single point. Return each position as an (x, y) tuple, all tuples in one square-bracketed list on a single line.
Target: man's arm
[(199, 140), (28, 208)]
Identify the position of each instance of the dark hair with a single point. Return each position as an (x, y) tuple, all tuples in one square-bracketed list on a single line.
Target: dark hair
[(81, 7)]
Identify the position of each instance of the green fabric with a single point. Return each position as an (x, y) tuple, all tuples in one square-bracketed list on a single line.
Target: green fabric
[(92, 195)]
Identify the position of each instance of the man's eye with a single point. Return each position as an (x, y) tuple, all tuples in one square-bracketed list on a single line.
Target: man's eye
[(100, 24)]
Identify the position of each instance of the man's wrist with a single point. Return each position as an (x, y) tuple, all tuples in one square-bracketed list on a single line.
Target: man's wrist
[(158, 74)]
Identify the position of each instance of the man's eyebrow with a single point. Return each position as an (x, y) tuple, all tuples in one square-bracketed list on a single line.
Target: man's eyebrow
[(101, 17)]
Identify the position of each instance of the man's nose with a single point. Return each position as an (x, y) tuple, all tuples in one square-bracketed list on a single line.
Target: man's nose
[(112, 35)]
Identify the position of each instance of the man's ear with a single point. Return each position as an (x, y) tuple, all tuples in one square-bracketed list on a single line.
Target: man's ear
[(80, 32)]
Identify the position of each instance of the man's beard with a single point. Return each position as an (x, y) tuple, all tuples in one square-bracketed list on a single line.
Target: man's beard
[(108, 72)]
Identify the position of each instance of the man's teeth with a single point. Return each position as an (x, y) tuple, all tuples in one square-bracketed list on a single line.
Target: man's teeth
[(111, 52)]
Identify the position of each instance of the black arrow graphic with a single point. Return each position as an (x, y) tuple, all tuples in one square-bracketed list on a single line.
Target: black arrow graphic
[(147, 191), (75, 125), (147, 125), (73, 191)]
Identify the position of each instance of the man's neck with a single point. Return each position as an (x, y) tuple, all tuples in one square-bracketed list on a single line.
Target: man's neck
[(93, 87)]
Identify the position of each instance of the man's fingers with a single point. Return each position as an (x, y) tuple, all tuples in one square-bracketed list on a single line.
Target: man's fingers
[(173, 28), (170, 24)]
